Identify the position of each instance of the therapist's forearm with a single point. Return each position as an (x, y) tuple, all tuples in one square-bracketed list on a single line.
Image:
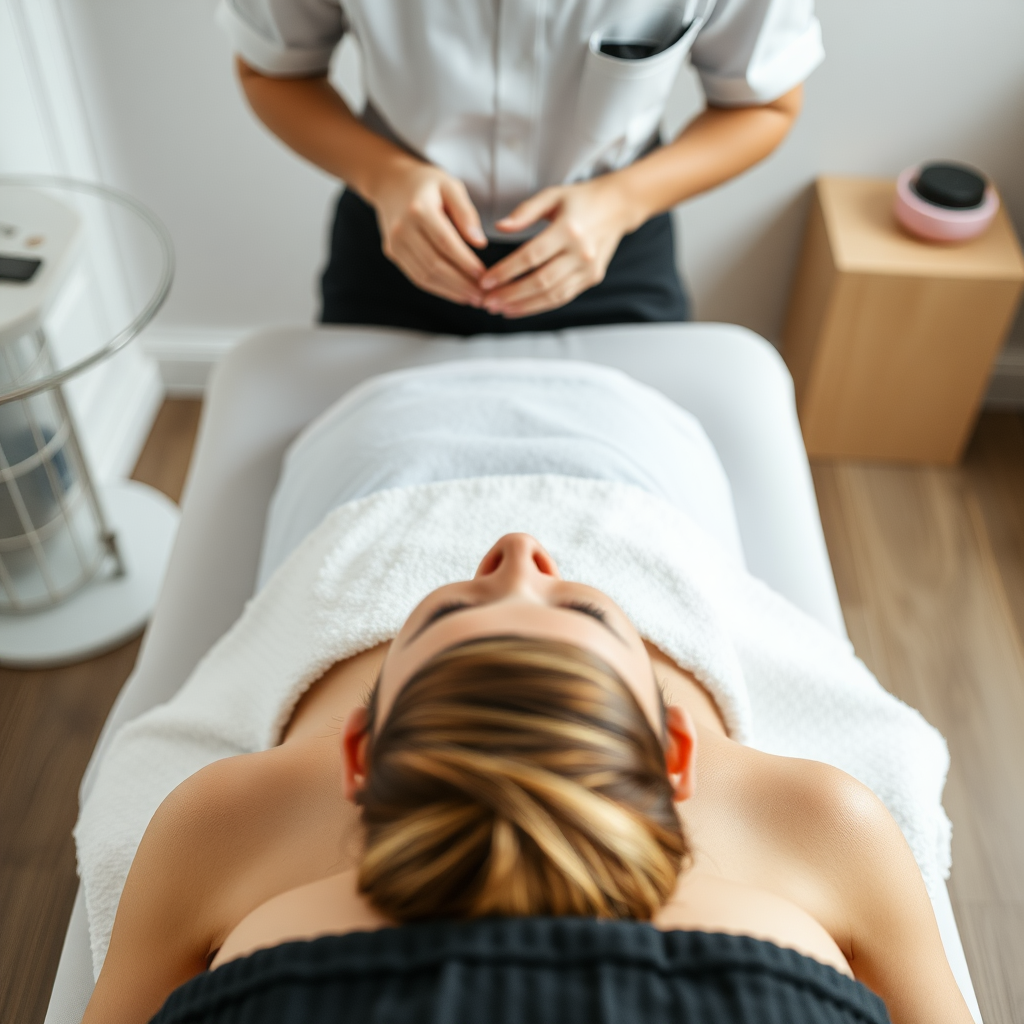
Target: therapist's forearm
[(310, 117), (426, 218), (714, 147)]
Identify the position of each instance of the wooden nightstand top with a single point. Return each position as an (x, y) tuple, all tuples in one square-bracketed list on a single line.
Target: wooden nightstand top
[(864, 237)]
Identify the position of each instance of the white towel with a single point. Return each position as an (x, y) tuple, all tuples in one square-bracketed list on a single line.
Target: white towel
[(497, 417), (782, 681)]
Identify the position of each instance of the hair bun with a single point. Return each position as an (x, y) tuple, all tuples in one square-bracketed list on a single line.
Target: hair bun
[(518, 777)]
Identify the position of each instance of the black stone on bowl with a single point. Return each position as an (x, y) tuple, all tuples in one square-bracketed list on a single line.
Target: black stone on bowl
[(952, 186)]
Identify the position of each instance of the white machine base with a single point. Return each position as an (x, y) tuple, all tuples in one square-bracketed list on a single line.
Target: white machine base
[(106, 612)]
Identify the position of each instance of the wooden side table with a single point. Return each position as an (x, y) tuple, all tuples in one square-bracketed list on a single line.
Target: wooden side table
[(891, 340)]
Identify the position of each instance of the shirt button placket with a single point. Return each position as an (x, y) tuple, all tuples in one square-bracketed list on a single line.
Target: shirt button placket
[(518, 53)]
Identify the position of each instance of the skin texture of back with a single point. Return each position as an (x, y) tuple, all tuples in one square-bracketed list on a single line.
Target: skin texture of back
[(263, 848)]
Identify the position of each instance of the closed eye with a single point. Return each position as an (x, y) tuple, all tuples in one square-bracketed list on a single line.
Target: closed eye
[(439, 613), (585, 608), (446, 609)]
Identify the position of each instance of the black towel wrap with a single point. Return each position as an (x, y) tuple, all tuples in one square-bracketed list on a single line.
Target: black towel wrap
[(524, 971)]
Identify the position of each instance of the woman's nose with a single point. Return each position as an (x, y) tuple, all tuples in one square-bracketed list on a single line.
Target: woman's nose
[(515, 559)]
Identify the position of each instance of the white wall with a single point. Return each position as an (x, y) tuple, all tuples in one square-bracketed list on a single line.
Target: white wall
[(904, 80)]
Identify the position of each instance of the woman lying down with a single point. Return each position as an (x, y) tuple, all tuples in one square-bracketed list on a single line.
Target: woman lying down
[(518, 806)]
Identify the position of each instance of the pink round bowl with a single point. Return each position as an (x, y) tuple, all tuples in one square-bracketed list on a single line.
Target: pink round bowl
[(938, 223)]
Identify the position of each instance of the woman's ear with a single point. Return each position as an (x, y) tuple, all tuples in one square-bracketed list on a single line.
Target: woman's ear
[(681, 754), (354, 740)]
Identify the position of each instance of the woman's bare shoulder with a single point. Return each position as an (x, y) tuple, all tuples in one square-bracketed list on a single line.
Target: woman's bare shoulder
[(244, 828), (800, 828), (868, 889), (233, 835), (238, 787), (287, 794), (786, 793)]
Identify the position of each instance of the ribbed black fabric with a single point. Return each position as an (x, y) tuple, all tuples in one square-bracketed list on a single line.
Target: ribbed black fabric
[(524, 971), (362, 286)]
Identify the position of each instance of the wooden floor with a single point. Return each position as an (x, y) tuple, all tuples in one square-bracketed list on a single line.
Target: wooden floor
[(930, 568), (49, 722)]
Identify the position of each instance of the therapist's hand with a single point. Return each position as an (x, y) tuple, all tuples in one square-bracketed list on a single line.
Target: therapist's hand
[(587, 222), (426, 219)]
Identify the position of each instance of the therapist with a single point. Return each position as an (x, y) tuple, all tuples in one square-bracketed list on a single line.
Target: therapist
[(508, 173)]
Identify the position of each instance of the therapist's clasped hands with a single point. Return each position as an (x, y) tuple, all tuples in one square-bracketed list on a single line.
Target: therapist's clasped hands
[(586, 224), (430, 227), (426, 219)]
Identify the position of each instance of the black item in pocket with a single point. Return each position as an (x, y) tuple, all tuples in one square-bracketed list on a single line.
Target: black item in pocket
[(641, 49), (18, 268)]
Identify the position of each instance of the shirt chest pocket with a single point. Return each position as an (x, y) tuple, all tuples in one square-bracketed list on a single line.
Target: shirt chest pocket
[(628, 73)]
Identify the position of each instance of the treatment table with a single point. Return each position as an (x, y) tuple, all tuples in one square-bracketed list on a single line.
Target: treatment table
[(270, 386)]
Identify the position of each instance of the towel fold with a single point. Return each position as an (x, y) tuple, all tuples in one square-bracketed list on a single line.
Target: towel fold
[(782, 682)]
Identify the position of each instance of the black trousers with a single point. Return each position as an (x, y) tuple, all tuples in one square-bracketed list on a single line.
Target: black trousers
[(362, 286)]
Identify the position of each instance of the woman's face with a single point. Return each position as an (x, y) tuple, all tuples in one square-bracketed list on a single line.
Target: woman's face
[(517, 591)]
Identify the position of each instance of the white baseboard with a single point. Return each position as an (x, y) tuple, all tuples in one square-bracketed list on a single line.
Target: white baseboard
[(187, 355), (1006, 388), (115, 420)]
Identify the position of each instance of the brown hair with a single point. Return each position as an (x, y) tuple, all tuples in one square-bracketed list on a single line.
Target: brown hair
[(518, 776)]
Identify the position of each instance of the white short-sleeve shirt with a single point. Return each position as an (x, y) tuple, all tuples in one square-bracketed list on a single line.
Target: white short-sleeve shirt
[(514, 95)]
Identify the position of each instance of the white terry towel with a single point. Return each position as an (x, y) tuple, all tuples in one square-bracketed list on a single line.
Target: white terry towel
[(782, 681), (497, 417)]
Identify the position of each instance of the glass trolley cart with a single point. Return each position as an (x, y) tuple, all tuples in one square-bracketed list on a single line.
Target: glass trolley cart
[(80, 564)]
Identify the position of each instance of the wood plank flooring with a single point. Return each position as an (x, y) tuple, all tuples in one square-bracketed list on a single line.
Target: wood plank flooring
[(930, 568), (49, 722)]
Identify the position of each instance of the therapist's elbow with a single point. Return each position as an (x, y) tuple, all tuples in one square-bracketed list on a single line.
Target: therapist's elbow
[(250, 80), (246, 73), (789, 104)]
